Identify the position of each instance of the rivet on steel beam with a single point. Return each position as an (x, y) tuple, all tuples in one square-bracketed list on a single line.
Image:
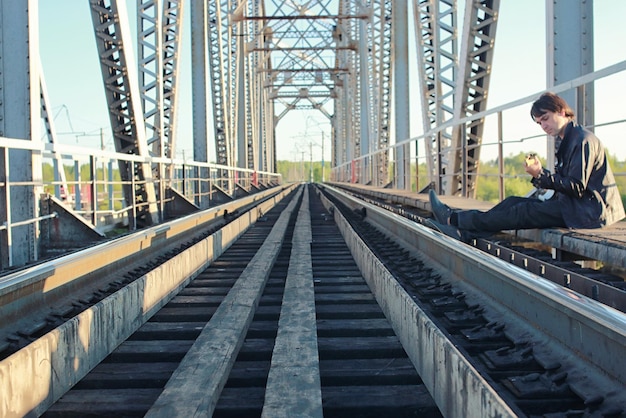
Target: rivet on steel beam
[(512, 257), (567, 280), (542, 270)]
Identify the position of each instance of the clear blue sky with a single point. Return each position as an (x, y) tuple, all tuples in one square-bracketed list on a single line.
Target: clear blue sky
[(74, 80)]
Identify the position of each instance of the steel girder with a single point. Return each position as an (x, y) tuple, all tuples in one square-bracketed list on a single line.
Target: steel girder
[(346, 143), (120, 77), (159, 26), (379, 75), (454, 86), (19, 110), (475, 72), (365, 90), (570, 32), (252, 129), (222, 56), (436, 35)]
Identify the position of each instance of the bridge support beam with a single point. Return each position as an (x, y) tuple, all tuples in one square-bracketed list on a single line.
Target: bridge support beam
[(200, 95), (569, 56), (19, 100), (400, 57)]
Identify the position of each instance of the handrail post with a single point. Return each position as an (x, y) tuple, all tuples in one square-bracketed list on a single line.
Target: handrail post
[(133, 222), (161, 192), (77, 192), (464, 169), (500, 157), (94, 189), (7, 207)]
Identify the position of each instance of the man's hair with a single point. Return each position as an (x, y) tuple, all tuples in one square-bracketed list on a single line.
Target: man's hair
[(550, 102)]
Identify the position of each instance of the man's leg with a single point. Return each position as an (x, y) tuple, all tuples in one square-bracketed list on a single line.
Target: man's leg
[(513, 213)]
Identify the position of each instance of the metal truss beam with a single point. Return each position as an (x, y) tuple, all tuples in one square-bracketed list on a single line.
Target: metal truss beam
[(454, 85), (346, 144), (122, 92), (436, 35), (159, 35), (222, 54), (381, 81), (364, 91), (475, 71)]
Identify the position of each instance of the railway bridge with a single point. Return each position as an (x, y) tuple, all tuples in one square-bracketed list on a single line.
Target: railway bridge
[(134, 282)]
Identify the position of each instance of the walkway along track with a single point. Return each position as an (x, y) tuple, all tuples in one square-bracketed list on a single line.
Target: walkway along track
[(282, 325)]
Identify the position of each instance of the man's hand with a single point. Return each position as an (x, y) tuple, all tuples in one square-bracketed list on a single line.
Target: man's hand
[(532, 165)]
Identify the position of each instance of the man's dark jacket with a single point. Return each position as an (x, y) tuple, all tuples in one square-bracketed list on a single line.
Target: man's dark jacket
[(583, 181)]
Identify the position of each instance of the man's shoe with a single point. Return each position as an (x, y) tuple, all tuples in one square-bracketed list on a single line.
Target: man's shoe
[(449, 230), (440, 211)]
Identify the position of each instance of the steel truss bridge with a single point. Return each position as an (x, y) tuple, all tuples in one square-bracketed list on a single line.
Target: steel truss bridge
[(254, 62)]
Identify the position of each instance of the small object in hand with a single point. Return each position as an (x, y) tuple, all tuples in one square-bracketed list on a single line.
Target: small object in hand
[(531, 159)]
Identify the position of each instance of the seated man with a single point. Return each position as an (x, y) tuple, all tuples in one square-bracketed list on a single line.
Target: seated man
[(586, 195)]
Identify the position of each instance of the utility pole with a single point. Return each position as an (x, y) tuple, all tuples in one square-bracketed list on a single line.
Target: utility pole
[(311, 162)]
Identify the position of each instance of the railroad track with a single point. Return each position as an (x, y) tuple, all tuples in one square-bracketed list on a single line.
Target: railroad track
[(296, 320), (603, 286), (521, 336), (314, 309)]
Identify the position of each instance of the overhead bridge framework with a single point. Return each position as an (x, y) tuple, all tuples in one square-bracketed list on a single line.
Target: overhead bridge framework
[(254, 62)]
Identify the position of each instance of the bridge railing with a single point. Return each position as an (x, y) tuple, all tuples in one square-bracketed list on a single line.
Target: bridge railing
[(508, 131), (87, 182)]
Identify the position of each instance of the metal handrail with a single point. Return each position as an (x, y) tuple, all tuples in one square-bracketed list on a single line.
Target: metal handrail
[(103, 186), (357, 169)]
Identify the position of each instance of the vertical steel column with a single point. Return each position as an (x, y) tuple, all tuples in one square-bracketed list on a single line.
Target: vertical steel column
[(19, 101), (159, 24), (200, 94), (241, 101), (570, 55), (400, 58), (365, 176)]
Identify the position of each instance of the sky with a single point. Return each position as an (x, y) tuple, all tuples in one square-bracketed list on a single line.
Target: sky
[(71, 69)]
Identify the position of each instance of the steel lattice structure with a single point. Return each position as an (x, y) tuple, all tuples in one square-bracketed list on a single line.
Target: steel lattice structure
[(454, 85), (475, 71), (267, 58), (159, 26), (436, 34), (122, 91)]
